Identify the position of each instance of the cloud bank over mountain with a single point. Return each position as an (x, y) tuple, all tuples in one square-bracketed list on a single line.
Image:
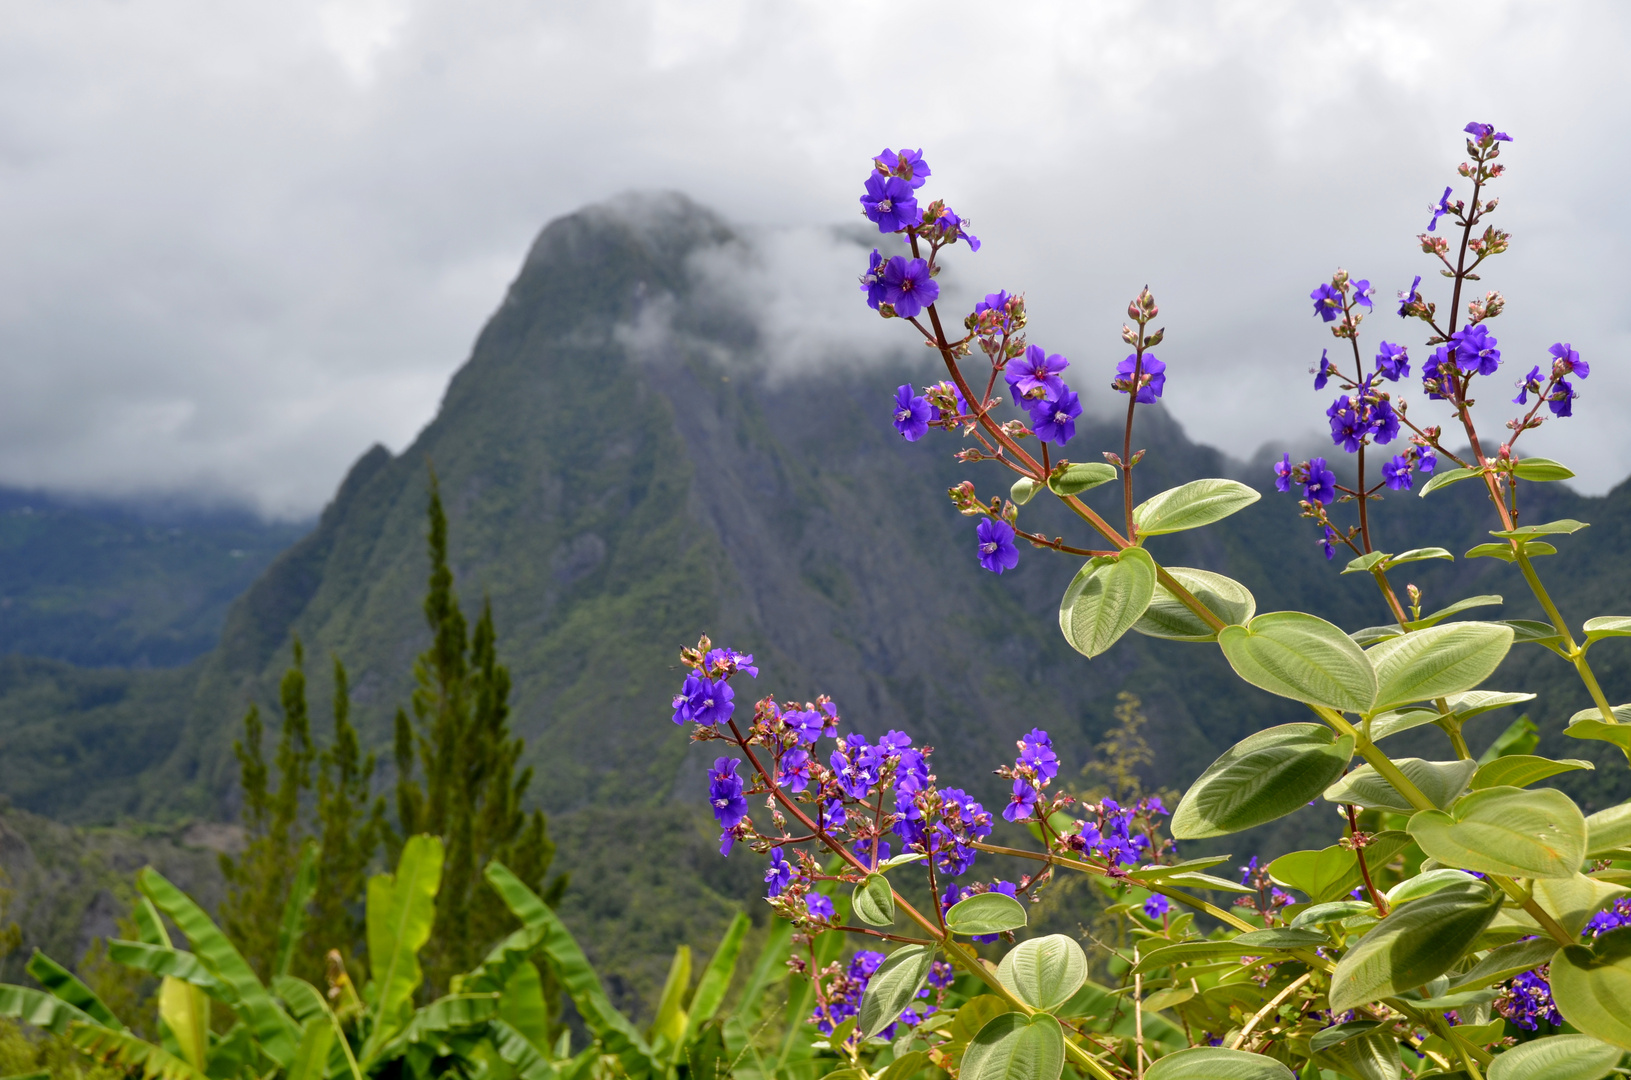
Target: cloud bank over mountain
[(246, 241)]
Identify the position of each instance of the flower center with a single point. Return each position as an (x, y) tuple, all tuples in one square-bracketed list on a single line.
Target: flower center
[(885, 205), (989, 547)]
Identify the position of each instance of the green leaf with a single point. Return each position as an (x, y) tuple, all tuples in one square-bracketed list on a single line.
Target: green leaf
[(149, 923), (1506, 830), (303, 1000), (1075, 479), (1419, 555), (276, 1033), (1016, 1047), (1217, 1063), (1590, 986), (292, 927), (185, 1010), (1437, 661), (1168, 617), (874, 901), (1334, 871), (1608, 830), (1425, 884), (1441, 781), (311, 1060), (617, 1035), (1521, 770), (1446, 478), (1105, 599), (1540, 470), (1499, 965), (124, 1050), (1364, 563), (1520, 737), (39, 1009), (1474, 702), (985, 913), (62, 983), (894, 986), (1191, 505), (669, 1023), (1366, 1051), (1531, 548), (1572, 901), (1416, 943), (441, 1018), (1023, 490), (167, 962), (1589, 724), (1255, 943), (1263, 777), (1301, 657), (1558, 1057), (716, 977), (401, 908), (1532, 632), (1044, 972), (1394, 721), (1157, 872), (1333, 912), (1487, 600), (1562, 527), (520, 1053), (1607, 626), (905, 1065)]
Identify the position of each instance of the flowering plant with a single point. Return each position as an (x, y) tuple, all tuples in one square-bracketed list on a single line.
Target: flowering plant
[(1462, 899)]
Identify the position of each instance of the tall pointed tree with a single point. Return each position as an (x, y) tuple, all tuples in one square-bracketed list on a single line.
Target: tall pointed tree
[(472, 792)]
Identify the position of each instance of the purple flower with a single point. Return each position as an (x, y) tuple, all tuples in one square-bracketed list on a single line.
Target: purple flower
[(1486, 131), (1615, 917), (704, 700), (1156, 905), (889, 203), (1054, 419), (996, 545), (1036, 751), (833, 816), (1349, 425), (1327, 301), (1527, 1000), (682, 701), (1439, 210), (908, 286), (1428, 461), (1036, 374), (1362, 293), (1406, 299), (779, 874), (1320, 484), (857, 766), (941, 974), (795, 770), (1438, 374), (1325, 543), (1561, 400), (1475, 350), (912, 413), (1152, 378), (806, 723), (1022, 803), (725, 793), (949, 228), (730, 662), (1392, 362), (819, 906), (906, 164), (872, 281), (1529, 385), (1384, 422), (1324, 374), (1282, 473), (1565, 361), (1396, 472)]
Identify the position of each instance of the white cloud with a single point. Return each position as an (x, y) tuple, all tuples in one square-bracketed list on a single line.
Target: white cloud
[(244, 241)]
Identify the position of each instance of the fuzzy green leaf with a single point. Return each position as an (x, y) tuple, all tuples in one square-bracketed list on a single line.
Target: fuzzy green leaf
[(1105, 599), (1191, 505), (985, 913), (1591, 984), (1075, 479), (1301, 657), (1168, 617), (1441, 781), (1217, 1063), (1437, 661), (1263, 777), (1044, 972), (1540, 470), (874, 901), (1413, 945), (1015, 1047), (1506, 830), (894, 986), (1521, 770)]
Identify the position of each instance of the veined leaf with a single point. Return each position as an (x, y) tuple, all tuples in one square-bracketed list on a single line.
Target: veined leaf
[(1363, 1050), (1217, 1063), (1540, 470), (1521, 770), (1530, 631), (1531, 548), (1572, 901), (1334, 911), (62, 983), (292, 927), (985, 913), (124, 1050), (1425, 884), (1263, 777), (1506, 830), (1448, 477), (1105, 599), (1562, 527), (1394, 721), (185, 1010), (163, 960), (1075, 479), (1334, 871), (1437, 661), (1488, 600), (1500, 964), (277, 1034), (874, 902), (895, 985), (1413, 945), (1473, 702), (1557, 1057), (311, 1059), (1419, 555), (1301, 657), (1016, 1047), (1608, 830), (1591, 984), (1589, 724), (38, 1009), (1441, 781), (1168, 617), (1191, 505), (401, 907), (519, 1053), (1365, 563), (1044, 972), (1607, 626)]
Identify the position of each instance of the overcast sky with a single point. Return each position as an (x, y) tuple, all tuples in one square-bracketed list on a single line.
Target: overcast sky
[(243, 241)]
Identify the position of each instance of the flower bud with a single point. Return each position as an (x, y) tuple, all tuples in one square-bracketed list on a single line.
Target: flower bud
[(1128, 335), (1155, 339)]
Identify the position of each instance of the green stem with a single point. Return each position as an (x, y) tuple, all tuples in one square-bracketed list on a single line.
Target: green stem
[(1575, 653)]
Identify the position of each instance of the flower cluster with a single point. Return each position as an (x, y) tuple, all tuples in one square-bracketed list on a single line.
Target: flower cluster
[(1116, 835), (1554, 390), (1527, 1000), (1266, 899), (841, 992), (902, 286), (1032, 771), (1615, 917)]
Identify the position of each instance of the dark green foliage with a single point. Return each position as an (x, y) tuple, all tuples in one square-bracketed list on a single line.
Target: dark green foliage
[(471, 794)]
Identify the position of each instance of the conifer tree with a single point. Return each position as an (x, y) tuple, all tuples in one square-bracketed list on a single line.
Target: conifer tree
[(472, 792)]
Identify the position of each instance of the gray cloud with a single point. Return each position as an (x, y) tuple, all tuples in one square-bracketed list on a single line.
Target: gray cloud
[(245, 241)]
